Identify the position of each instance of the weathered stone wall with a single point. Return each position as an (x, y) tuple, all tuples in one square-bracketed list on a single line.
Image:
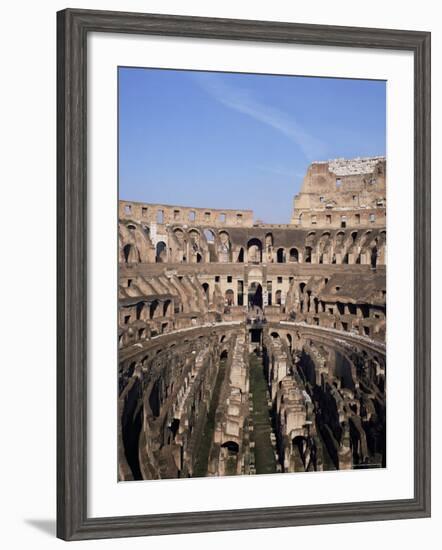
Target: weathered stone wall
[(163, 214), (342, 193)]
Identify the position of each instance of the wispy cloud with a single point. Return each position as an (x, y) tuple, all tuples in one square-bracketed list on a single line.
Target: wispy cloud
[(243, 101)]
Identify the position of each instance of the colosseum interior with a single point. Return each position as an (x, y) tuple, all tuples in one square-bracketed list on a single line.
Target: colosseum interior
[(249, 348)]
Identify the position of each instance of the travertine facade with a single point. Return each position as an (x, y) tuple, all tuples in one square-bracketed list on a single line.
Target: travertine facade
[(250, 348), (342, 193)]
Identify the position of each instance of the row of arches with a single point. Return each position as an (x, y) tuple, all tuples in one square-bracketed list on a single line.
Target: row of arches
[(198, 245)]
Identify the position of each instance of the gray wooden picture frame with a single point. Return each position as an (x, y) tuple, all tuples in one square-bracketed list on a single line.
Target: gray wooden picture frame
[(73, 27)]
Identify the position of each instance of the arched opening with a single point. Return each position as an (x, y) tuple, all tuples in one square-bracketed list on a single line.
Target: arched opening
[(155, 399), (206, 289), (166, 308), (241, 256), (179, 234), (161, 252), (254, 251), (374, 257), (274, 335), (280, 256), (229, 297), (298, 442), (174, 427), (278, 298), (316, 304), (343, 371), (340, 235), (231, 446), (255, 295), (210, 235), (294, 255), (199, 258), (152, 309), (289, 340), (194, 242), (127, 250), (308, 367), (140, 307), (224, 355), (308, 255)]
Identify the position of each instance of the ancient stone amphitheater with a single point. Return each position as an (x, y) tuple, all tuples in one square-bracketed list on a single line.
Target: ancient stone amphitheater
[(248, 348)]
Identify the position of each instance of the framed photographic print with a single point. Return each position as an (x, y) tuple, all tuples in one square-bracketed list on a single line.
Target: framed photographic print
[(243, 274)]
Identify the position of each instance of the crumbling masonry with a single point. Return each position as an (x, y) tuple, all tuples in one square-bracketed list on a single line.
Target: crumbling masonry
[(250, 348)]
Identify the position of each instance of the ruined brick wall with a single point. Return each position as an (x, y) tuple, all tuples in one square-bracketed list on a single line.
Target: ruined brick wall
[(163, 214), (342, 193)]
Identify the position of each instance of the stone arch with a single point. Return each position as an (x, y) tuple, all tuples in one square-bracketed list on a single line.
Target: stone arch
[(153, 309), (308, 255), (254, 250), (280, 255), (179, 234), (374, 257), (255, 294), (205, 287), (229, 297), (129, 253), (139, 310), (294, 255), (209, 235), (278, 297), (223, 247), (231, 446), (161, 252), (166, 308), (289, 339)]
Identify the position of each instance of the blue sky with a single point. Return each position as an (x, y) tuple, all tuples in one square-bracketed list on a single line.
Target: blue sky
[(229, 140)]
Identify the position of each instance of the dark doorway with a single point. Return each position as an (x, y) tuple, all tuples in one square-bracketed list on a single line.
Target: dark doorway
[(255, 295), (374, 257)]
